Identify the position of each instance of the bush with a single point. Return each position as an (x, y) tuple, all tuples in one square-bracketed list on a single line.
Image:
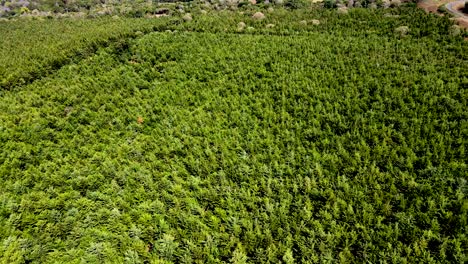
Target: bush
[(402, 31), (330, 4), (295, 4)]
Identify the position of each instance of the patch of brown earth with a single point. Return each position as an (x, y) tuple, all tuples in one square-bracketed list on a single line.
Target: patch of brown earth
[(432, 6), (461, 21), (429, 6)]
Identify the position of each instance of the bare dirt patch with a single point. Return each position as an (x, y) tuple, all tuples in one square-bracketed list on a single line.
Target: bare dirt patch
[(432, 6), (461, 21)]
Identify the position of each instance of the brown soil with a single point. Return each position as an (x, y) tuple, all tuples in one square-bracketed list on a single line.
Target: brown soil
[(431, 6), (462, 22), (428, 7)]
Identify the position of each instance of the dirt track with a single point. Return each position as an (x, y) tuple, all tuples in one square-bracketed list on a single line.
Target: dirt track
[(432, 6), (455, 7), (460, 17)]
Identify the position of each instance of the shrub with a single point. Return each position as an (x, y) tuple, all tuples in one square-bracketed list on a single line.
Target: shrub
[(330, 4), (402, 30), (295, 4), (258, 16)]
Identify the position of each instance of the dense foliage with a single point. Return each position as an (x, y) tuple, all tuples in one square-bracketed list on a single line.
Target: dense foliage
[(23, 7), (359, 22), (342, 141), (30, 49)]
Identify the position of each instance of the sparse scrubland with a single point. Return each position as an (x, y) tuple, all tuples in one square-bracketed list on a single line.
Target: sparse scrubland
[(306, 136)]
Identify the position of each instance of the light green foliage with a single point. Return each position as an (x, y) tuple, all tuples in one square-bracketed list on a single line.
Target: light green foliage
[(296, 144)]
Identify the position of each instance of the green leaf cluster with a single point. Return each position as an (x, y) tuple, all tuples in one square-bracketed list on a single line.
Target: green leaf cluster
[(294, 144)]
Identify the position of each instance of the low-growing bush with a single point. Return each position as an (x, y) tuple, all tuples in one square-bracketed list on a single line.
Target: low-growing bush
[(295, 4)]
